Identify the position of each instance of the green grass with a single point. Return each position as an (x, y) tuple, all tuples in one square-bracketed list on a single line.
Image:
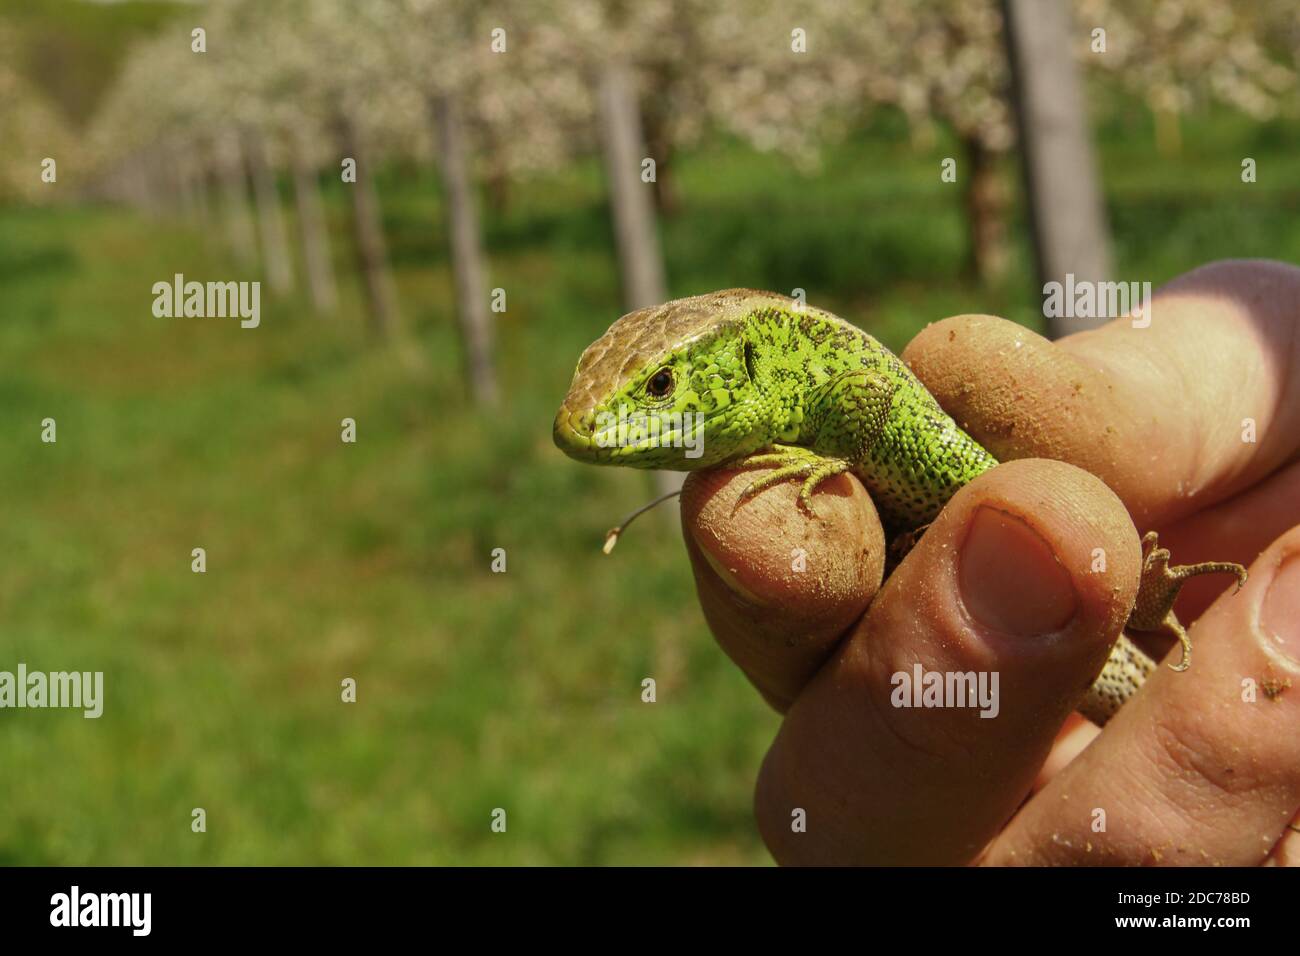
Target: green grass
[(372, 561)]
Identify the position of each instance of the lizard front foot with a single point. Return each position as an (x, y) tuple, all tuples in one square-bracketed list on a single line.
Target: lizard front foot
[(1158, 588), (792, 461)]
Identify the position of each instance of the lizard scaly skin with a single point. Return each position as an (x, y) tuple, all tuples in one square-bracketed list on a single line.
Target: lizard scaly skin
[(754, 378)]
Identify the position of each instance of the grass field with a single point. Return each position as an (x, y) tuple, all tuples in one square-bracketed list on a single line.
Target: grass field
[(372, 561)]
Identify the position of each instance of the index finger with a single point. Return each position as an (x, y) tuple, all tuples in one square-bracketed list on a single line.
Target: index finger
[(778, 588), (1197, 406)]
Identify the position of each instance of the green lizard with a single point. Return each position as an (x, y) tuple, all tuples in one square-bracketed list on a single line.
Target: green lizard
[(752, 378)]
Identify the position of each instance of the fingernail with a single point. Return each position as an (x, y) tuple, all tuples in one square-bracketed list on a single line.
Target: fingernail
[(1010, 579), (725, 574), (1280, 616)]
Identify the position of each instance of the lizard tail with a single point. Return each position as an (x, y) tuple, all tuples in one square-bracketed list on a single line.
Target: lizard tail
[(1125, 671)]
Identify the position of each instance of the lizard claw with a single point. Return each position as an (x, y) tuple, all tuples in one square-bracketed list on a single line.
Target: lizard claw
[(793, 462), (1153, 611)]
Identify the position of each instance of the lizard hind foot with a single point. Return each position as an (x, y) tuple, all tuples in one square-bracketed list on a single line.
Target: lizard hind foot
[(901, 545), (1153, 611), (792, 461)]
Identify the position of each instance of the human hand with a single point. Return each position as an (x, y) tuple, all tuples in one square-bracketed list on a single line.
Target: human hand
[(1006, 581)]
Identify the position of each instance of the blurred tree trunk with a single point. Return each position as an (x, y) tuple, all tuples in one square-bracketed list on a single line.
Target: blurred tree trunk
[(182, 175), (467, 263), (368, 232), (184, 188), (497, 177), (1064, 201), (239, 223), (667, 197), (157, 195), (641, 262), (270, 221), (135, 184), (985, 204), (1169, 132), (311, 228), (199, 184), (498, 190), (200, 176)]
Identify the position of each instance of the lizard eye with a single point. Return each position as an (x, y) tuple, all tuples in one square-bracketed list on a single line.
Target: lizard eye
[(660, 384)]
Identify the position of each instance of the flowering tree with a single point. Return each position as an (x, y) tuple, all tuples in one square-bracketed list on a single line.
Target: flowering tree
[(1177, 55), (32, 131)]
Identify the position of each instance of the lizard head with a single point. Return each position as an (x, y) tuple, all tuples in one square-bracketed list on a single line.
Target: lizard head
[(670, 387)]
